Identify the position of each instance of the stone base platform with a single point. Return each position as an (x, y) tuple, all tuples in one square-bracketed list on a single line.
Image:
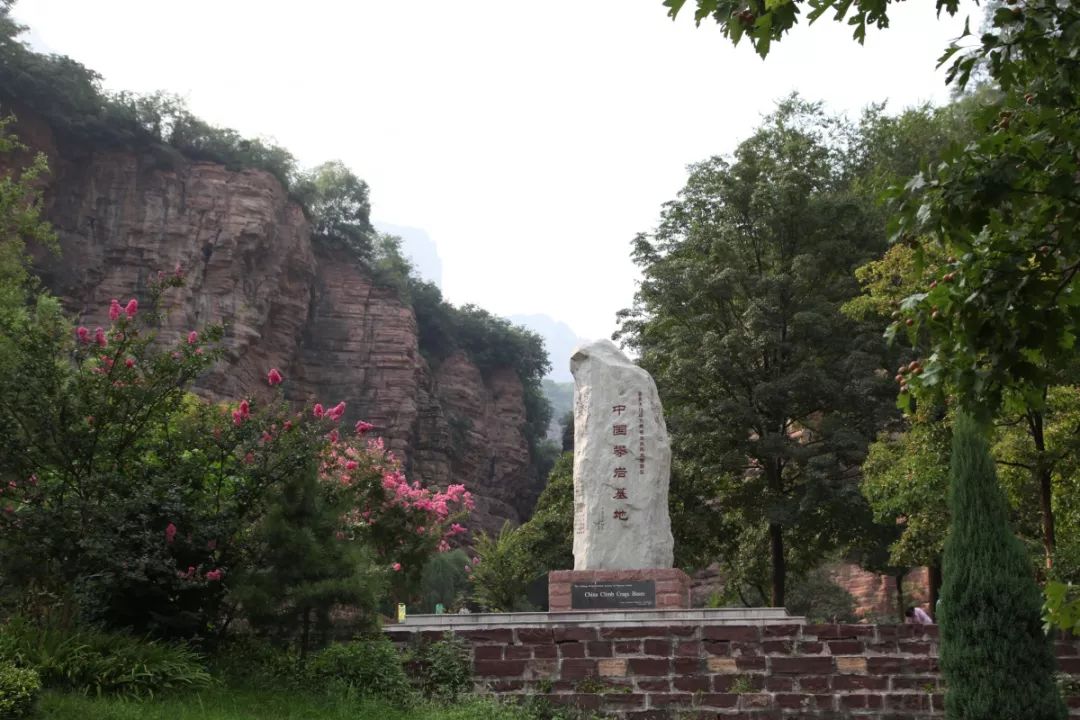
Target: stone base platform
[(703, 617), (656, 588)]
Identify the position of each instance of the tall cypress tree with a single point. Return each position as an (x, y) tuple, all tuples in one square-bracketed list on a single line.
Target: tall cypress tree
[(995, 658)]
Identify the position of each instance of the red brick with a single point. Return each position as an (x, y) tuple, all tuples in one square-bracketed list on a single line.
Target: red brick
[(914, 647), (920, 665), (846, 647), (1066, 649), (937, 702), (688, 666), (717, 648), (791, 701), (488, 652), (801, 665), (626, 647), (718, 700), (514, 652), (888, 647), (574, 634), (691, 684), (884, 665), (545, 651), (683, 630), (785, 631), (855, 702), (750, 663), (688, 648), (572, 650), (623, 700), (754, 700), (668, 699), (1069, 665), (575, 668), (503, 636), (775, 683), (815, 683), (535, 636), (746, 649), (824, 702), (499, 668), (670, 600), (838, 632), (741, 633), (860, 682), (914, 683), (658, 647), (912, 701), (724, 683), (811, 648), (778, 647), (649, 666), (599, 649), (648, 715), (654, 685)]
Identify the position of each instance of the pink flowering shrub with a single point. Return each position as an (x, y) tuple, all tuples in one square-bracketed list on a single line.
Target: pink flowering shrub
[(163, 513)]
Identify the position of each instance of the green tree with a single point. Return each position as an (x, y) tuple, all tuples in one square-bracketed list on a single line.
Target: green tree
[(337, 202), (771, 393), (995, 659)]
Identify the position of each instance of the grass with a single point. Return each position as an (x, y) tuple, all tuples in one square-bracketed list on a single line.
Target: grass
[(239, 704)]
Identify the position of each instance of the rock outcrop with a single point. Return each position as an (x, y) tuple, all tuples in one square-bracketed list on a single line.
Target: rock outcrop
[(250, 263)]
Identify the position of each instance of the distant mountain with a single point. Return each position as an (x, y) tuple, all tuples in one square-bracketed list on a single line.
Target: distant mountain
[(419, 248), (561, 397), (559, 338)]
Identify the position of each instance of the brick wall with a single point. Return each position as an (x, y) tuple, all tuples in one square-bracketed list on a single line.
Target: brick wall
[(722, 671)]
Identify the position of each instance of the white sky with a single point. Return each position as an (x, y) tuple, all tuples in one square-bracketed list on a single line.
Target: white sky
[(531, 140)]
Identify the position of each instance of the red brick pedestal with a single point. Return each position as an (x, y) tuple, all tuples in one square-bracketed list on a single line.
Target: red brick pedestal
[(672, 587)]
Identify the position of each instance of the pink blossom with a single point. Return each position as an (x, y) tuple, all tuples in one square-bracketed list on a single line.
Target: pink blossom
[(318, 411), (198, 351), (192, 337), (131, 308), (99, 337), (420, 530), (114, 310), (33, 480), (351, 465), (443, 546), (267, 437), (214, 575), (129, 363), (178, 270), (249, 458), (83, 334), (273, 377), (362, 427), (476, 561), (287, 425), (456, 529), (339, 535), (337, 411), (170, 533), (190, 571), (397, 567), (333, 435)]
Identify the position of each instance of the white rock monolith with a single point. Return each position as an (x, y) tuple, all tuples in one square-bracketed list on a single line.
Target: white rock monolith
[(622, 464)]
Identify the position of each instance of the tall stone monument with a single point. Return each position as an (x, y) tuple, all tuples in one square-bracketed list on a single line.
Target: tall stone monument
[(622, 465)]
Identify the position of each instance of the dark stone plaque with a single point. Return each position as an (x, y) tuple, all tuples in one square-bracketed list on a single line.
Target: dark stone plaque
[(626, 594)]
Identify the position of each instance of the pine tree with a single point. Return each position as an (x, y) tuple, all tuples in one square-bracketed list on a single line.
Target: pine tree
[(995, 659)]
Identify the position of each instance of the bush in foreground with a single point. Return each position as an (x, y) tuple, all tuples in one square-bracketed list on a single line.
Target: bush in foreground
[(97, 663), (19, 690)]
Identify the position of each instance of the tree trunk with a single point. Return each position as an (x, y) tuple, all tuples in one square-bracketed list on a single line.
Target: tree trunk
[(934, 575), (1043, 477), (779, 569)]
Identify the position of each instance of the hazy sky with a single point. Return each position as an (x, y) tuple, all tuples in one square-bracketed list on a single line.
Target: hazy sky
[(531, 140)]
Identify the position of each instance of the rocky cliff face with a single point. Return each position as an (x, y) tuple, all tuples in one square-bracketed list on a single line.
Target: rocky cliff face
[(286, 302)]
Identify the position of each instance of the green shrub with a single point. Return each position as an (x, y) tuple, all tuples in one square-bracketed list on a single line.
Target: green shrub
[(19, 690), (442, 670), (369, 668), (996, 660), (98, 663), (251, 661)]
